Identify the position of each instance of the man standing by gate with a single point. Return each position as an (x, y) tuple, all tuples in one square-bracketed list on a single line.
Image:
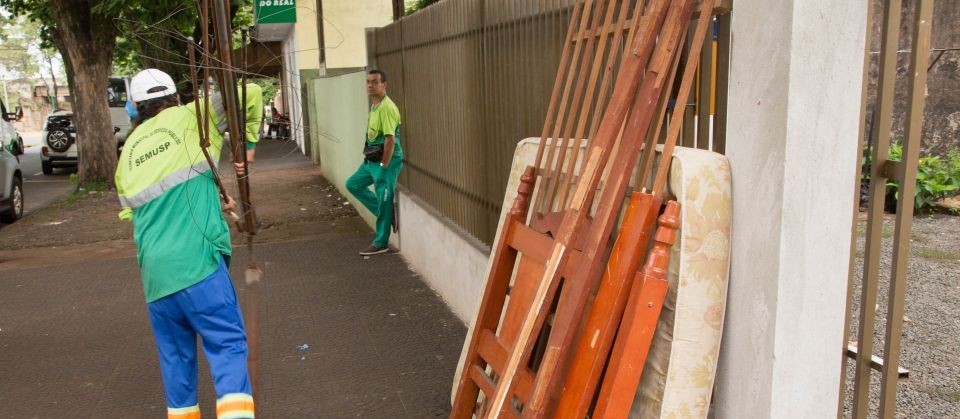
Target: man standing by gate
[(383, 159)]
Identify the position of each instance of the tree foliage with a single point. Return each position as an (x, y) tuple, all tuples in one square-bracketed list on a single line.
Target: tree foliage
[(88, 33), (416, 5)]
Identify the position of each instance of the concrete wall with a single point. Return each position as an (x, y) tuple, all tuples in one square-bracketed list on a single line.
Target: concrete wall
[(452, 262), (344, 25), (941, 119), (340, 119), (792, 134)]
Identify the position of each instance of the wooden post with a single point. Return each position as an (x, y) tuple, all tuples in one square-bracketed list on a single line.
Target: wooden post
[(639, 323)]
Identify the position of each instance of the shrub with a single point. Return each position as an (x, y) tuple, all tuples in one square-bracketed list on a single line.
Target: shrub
[(937, 178)]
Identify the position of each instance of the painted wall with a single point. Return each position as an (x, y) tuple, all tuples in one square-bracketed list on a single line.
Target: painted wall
[(340, 118), (291, 89), (792, 136), (308, 44), (344, 25)]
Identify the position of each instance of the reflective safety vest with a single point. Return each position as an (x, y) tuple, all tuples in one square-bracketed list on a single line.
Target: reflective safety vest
[(166, 187)]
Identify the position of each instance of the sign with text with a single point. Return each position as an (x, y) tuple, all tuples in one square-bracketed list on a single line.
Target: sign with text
[(275, 11)]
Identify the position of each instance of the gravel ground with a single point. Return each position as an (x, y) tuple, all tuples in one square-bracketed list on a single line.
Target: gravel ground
[(931, 328)]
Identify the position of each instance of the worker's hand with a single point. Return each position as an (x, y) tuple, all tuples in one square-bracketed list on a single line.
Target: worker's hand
[(241, 171), (229, 205)]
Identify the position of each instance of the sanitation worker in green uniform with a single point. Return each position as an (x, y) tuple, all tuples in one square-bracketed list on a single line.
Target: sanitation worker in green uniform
[(167, 189), (383, 159)]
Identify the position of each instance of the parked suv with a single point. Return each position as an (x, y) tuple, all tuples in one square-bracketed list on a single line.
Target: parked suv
[(11, 178), (60, 131)]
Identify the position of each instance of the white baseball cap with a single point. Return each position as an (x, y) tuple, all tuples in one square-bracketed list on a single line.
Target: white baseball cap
[(151, 83)]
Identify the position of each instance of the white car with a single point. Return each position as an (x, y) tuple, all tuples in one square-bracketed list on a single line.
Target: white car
[(59, 142), (11, 177), (60, 131)]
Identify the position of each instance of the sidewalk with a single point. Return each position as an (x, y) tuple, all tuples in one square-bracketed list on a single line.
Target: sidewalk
[(341, 336)]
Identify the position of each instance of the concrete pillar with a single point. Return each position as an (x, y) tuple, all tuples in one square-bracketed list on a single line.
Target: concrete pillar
[(794, 101)]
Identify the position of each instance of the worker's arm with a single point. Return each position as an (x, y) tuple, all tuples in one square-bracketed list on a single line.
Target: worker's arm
[(254, 118), (388, 143), (390, 121), (126, 213)]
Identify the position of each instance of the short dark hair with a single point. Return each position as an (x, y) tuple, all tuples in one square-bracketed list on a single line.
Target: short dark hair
[(151, 107), (383, 75)]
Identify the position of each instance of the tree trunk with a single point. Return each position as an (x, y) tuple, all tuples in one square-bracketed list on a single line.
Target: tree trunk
[(86, 40)]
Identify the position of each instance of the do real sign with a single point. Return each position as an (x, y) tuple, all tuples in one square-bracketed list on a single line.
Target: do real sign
[(275, 11)]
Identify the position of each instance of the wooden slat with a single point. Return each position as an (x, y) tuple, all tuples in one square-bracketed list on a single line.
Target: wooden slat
[(639, 323), (588, 69), (676, 120), (595, 341), (575, 132), (626, 365), (480, 377), (558, 84), (529, 242), (491, 304), (496, 356), (521, 295), (574, 299), (543, 202)]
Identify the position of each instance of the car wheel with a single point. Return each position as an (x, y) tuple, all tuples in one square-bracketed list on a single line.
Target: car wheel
[(58, 140), (16, 203), (46, 167)]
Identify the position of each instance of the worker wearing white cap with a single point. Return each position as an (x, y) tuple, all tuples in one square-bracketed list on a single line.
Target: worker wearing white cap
[(166, 188)]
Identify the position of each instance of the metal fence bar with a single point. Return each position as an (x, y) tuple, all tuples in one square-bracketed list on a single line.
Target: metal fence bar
[(705, 95), (723, 77), (907, 177), (473, 77), (878, 180), (851, 280)]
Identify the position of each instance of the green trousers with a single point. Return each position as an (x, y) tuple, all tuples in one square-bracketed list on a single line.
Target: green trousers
[(380, 201)]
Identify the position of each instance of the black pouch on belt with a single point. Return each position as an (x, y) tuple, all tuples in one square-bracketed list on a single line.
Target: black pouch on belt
[(373, 153)]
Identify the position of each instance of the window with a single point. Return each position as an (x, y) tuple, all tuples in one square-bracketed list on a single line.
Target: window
[(117, 93)]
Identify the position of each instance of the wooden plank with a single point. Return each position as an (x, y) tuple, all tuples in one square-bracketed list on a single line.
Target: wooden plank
[(585, 68), (530, 243), (574, 299), (876, 363), (639, 323), (543, 200), (479, 376), (524, 288), (491, 304), (558, 83), (626, 364), (677, 119), (576, 132), (496, 356), (594, 345)]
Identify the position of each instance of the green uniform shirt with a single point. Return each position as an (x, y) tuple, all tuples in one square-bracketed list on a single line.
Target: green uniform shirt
[(384, 119), (165, 180)]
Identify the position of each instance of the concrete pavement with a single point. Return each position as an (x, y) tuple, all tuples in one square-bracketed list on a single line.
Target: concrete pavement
[(341, 336)]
